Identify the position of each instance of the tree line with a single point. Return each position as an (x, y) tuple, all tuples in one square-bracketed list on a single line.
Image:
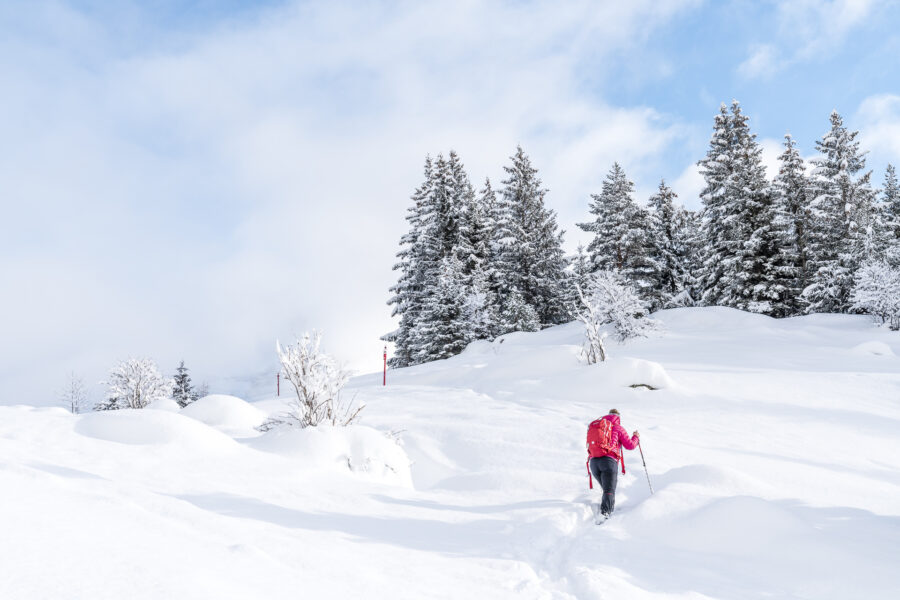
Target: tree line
[(816, 238)]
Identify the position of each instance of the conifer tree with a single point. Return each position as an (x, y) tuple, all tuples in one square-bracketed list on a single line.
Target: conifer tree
[(719, 231), (620, 232), (531, 262), (890, 201), (843, 219), (791, 195), (666, 256), (443, 330), (742, 264), (410, 290), (183, 391), (688, 251)]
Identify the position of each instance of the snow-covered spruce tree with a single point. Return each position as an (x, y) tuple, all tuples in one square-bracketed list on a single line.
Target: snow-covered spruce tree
[(719, 226), (74, 395), (670, 246), (792, 210), (447, 221), (688, 247), (620, 229), (890, 202), (531, 261), (742, 265), (317, 383), (444, 330), (876, 291), (135, 383), (842, 219), (182, 390), (410, 289), (615, 301)]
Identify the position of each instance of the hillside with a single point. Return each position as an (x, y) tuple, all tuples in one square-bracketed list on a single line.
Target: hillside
[(773, 449)]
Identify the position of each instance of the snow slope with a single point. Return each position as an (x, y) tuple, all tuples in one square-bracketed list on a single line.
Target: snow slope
[(773, 448)]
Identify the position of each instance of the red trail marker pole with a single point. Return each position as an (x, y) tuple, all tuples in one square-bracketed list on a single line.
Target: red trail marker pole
[(384, 380)]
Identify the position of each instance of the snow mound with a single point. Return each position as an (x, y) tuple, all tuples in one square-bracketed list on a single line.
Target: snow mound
[(228, 414), (166, 404), (873, 348), (362, 450), (736, 526), (630, 372), (152, 428)]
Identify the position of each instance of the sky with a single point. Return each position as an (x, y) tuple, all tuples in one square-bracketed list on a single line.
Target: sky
[(194, 180)]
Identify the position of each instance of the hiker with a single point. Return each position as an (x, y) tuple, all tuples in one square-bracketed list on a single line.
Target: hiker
[(604, 443)]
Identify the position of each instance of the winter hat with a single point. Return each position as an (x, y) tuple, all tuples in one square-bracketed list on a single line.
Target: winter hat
[(613, 411)]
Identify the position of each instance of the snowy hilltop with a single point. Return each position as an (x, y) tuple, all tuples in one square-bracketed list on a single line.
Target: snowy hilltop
[(771, 445)]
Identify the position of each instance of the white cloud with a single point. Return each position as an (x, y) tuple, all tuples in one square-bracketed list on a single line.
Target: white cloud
[(806, 30), (878, 118), (763, 62), (200, 197), (688, 186)]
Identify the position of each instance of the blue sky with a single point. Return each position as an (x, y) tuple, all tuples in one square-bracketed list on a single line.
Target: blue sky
[(193, 180)]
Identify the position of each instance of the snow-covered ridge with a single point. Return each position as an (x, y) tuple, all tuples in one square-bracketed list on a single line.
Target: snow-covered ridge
[(772, 446)]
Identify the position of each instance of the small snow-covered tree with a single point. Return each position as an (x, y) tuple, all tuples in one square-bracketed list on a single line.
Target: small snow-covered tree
[(614, 301), (877, 292), (183, 391), (135, 383), (74, 395), (317, 382), (589, 313)]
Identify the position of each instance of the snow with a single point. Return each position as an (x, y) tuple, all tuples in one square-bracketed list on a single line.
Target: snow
[(228, 414), (772, 447), (873, 348)]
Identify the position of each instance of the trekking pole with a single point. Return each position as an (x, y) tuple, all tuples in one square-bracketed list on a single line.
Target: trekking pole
[(645, 467)]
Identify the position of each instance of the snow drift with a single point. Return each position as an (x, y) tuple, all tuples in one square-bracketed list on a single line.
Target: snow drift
[(487, 495)]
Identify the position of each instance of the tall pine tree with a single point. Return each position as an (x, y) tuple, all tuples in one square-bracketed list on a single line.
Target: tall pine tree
[(842, 219), (669, 250), (792, 211), (532, 262), (620, 231), (890, 201), (742, 261)]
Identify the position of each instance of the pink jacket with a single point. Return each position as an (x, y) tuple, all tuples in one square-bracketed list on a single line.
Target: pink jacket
[(620, 438)]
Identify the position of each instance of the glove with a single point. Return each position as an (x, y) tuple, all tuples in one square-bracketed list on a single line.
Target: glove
[(635, 434)]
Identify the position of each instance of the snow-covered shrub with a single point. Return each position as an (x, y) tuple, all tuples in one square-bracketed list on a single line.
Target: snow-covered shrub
[(589, 313), (317, 382), (877, 292), (135, 383), (610, 300)]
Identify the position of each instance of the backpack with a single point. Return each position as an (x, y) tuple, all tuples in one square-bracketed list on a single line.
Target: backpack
[(600, 439)]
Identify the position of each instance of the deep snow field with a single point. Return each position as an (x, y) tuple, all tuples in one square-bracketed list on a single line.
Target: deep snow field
[(773, 449)]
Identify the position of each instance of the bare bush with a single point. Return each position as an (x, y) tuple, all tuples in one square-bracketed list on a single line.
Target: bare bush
[(317, 383)]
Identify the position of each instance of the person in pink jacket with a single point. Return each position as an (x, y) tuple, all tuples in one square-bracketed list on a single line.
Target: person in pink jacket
[(604, 467)]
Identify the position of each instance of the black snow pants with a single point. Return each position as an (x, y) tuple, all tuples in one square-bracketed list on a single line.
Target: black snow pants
[(605, 470)]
